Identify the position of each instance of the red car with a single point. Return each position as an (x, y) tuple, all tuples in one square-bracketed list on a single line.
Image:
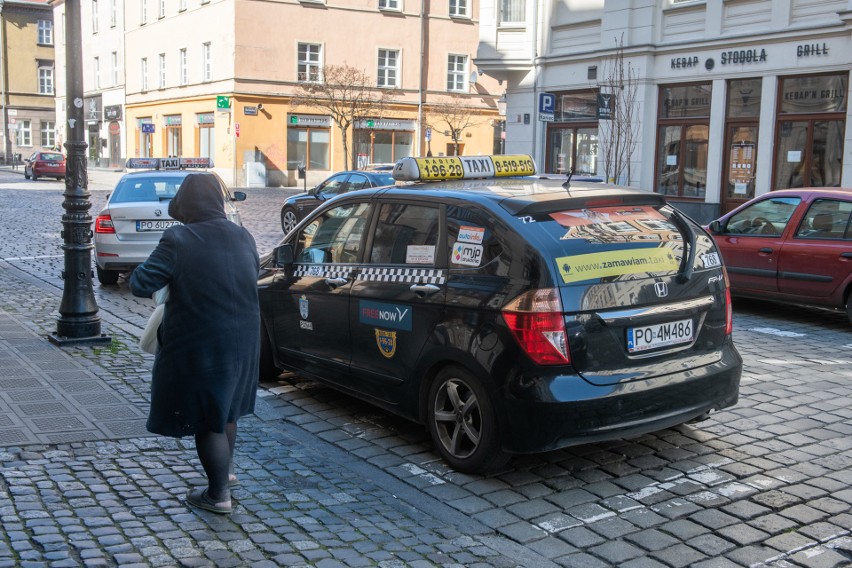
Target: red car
[(792, 245), (45, 164)]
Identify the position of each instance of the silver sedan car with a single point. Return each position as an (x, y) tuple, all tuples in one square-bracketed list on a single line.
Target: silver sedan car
[(131, 223)]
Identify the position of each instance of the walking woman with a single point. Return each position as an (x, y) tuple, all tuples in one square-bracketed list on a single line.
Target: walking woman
[(205, 372)]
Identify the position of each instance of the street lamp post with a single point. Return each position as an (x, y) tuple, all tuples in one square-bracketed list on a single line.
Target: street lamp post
[(78, 320)]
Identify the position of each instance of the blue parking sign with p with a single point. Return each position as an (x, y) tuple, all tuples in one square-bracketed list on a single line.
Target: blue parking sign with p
[(547, 103)]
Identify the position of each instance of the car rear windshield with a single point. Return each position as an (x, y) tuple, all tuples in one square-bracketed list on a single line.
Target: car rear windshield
[(383, 179), (147, 188), (607, 244), (52, 157)]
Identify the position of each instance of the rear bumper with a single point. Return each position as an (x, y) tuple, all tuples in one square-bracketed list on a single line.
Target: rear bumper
[(558, 411), (121, 256)]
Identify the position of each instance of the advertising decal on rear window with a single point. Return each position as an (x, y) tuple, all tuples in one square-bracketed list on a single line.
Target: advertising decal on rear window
[(581, 267), (617, 225), (471, 235)]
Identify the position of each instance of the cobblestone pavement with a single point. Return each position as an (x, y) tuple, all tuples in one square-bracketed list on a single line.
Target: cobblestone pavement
[(330, 481)]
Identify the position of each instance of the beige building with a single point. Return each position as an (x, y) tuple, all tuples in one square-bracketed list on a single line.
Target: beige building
[(216, 78), (26, 78)]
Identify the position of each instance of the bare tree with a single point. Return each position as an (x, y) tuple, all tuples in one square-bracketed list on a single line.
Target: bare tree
[(453, 116), (619, 135), (348, 95)]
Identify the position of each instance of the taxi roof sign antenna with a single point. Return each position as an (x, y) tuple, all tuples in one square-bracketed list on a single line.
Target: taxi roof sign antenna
[(567, 184)]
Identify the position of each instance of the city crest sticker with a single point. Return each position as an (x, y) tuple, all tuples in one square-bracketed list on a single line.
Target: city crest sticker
[(386, 340), (303, 307)]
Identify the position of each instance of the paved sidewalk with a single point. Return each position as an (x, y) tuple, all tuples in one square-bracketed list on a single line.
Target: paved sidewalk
[(82, 483)]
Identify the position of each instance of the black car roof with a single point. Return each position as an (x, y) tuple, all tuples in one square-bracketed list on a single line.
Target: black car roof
[(524, 195)]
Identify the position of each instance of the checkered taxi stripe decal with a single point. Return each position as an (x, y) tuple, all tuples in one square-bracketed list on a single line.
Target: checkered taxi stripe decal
[(323, 270), (412, 275)]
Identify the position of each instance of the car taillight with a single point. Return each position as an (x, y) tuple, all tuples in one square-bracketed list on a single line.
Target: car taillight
[(729, 308), (103, 224), (536, 321)]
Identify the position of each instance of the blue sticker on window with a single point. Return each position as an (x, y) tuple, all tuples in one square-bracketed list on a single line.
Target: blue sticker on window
[(393, 316)]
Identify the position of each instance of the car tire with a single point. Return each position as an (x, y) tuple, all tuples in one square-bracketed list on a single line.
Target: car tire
[(463, 423), (267, 370), (289, 219), (849, 306), (107, 277), (26, 175), (35, 177)]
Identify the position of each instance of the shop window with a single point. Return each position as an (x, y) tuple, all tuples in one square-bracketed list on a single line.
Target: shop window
[(682, 139), (742, 126), (308, 147), (382, 146)]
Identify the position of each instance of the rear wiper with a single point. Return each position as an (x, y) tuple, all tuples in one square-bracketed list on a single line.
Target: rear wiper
[(687, 262)]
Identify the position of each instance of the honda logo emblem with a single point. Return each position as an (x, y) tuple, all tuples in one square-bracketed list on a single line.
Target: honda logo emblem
[(661, 289)]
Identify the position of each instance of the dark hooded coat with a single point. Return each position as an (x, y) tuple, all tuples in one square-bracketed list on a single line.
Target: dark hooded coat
[(205, 373)]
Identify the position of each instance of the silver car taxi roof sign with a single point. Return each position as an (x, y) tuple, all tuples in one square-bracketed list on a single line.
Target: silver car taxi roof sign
[(463, 167), (168, 163)]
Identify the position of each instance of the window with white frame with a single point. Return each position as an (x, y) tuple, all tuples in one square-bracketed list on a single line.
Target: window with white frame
[(162, 73), (48, 134), (389, 5), (114, 57), (183, 66), (24, 133), (388, 70), (113, 16), (457, 73), (143, 12), (310, 62), (513, 11), (94, 16), (96, 69), (45, 79), (162, 12), (207, 62), (45, 32), (458, 8), (143, 70)]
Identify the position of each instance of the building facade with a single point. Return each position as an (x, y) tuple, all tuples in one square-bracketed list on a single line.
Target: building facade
[(102, 30), (727, 100), (217, 78), (27, 78)]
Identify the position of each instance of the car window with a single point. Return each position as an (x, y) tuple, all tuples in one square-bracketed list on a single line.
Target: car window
[(472, 240), (51, 157), (332, 186), (405, 234), (147, 188), (333, 237), (827, 219), (383, 179), (766, 217), (357, 181)]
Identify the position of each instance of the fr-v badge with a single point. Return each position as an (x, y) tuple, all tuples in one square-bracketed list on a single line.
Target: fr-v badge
[(386, 341)]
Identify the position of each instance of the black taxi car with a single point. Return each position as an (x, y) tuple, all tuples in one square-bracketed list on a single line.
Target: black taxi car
[(509, 314)]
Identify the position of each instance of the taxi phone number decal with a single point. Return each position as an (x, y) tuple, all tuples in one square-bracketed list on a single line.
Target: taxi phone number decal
[(615, 263)]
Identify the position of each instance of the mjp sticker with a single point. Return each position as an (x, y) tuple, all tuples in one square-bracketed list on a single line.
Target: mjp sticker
[(466, 254), (591, 266)]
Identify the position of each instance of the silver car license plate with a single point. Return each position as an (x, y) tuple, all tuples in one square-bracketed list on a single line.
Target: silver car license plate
[(144, 226), (660, 335)]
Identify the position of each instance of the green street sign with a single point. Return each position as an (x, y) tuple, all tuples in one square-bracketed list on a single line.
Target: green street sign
[(223, 102)]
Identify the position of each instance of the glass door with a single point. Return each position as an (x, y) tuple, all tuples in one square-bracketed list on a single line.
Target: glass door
[(740, 166)]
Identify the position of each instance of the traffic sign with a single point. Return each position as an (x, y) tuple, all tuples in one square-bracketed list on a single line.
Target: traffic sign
[(546, 107), (223, 102)]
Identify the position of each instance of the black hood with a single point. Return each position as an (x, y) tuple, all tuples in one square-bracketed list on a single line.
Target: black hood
[(198, 199)]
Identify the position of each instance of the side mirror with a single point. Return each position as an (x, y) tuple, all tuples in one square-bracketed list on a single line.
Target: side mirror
[(238, 196), (284, 255), (715, 226)]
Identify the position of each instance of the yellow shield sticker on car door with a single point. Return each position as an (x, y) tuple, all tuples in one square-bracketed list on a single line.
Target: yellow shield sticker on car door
[(580, 267), (386, 340)]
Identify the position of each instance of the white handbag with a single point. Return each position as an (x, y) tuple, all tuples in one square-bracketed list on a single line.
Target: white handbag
[(148, 340)]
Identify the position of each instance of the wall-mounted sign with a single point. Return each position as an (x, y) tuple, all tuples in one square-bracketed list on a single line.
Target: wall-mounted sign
[(223, 103), (250, 110), (173, 120), (309, 120), (605, 102), (114, 128), (93, 109), (743, 56), (147, 128), (546, 107), (112, 112), (385, 124), (684, 62), (809, 49), (205, 118)]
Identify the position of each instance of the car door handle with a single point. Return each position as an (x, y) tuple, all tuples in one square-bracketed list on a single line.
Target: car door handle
[(765, 250), (336, 282), (423, 290), (846, 255)]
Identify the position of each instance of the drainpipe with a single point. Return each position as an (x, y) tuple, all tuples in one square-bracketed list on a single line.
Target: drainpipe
[(4, 101)]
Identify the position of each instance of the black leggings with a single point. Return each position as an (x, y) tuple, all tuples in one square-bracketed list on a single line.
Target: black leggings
[(216, 452)]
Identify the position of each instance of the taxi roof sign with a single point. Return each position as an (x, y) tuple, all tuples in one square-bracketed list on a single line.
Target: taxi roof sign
[(168, 163), (463, 167)]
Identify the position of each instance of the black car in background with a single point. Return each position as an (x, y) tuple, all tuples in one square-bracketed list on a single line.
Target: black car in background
[(508, 314), (297, 206)]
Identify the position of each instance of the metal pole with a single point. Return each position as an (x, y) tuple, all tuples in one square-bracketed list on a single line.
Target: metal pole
[(78, 320), (7, 141)]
